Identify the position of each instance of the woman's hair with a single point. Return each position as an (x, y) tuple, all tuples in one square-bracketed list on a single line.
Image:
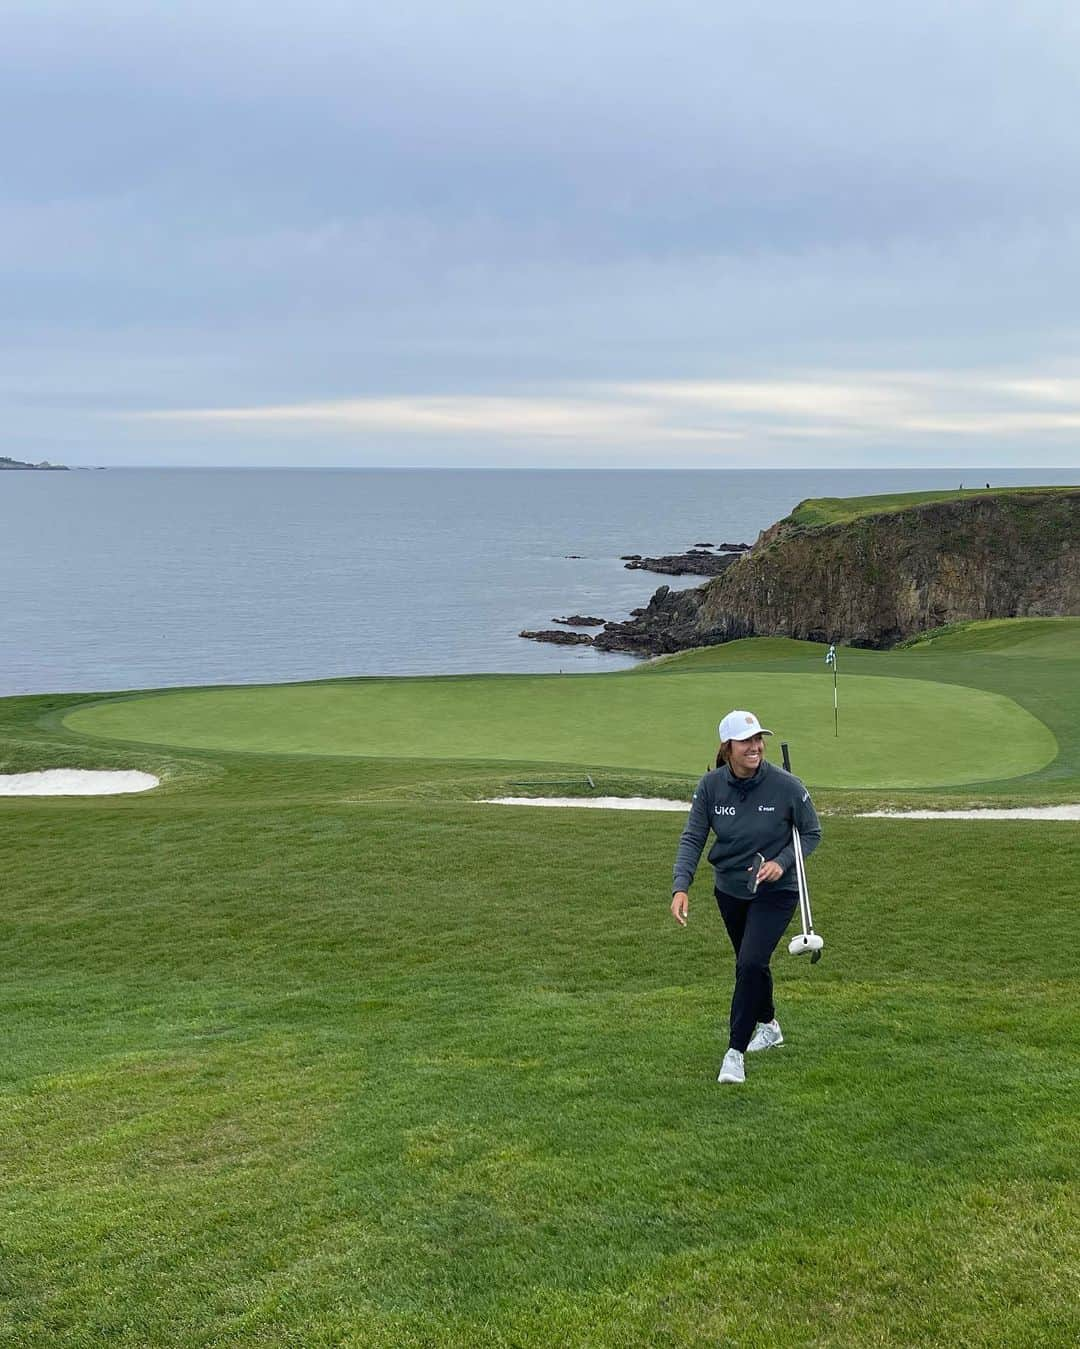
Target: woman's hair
[(723, 754)]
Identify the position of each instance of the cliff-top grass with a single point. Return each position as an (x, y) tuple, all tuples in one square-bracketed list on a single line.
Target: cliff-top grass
[(310, 1049), (819, 511)]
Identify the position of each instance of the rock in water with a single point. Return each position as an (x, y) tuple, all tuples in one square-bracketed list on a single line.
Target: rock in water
[(696, 562), (671, 621), (559, 638)]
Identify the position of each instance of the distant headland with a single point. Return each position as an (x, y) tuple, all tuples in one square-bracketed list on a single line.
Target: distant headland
[(874, 572), (6, 462)]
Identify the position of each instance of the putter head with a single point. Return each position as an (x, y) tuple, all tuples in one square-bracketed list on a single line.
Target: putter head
[(806, 942)]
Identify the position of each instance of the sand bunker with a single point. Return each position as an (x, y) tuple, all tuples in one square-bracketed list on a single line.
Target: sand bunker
[(75, 782), (659, 803), (591, 802), (986, 813)]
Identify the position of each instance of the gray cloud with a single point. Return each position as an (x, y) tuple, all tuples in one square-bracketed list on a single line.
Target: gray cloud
[(240, 204)]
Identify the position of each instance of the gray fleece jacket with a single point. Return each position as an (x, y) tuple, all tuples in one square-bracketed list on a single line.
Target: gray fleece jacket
[(748, 816)]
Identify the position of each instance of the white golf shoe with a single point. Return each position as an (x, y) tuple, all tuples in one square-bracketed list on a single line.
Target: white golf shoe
[(767, 1036), (732, 1070)]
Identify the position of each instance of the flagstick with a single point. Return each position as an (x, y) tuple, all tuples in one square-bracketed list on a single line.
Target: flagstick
[(835, 702)]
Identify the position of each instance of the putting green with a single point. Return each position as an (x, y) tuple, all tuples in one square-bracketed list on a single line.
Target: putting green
[(893, 732)]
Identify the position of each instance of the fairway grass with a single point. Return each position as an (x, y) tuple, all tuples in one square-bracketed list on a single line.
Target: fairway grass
[(272, 1077), (604, 721), (315, 1051)]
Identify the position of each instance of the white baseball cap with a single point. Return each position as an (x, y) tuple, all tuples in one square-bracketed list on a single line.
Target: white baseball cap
[(741, 726)]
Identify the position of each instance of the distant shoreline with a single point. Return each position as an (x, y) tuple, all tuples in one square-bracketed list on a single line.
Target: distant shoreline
[(43, 467), (1047, 473)]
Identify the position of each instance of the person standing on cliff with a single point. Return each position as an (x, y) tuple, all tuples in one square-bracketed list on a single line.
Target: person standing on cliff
[(750, 805)]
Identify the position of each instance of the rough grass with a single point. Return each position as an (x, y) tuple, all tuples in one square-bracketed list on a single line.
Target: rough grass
[(351, 1076)]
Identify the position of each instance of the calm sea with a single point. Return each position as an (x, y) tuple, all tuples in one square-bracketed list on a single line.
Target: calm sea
[(135, 578)]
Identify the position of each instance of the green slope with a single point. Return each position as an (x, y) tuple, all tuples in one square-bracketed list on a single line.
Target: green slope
[(818, 511), (1034, 662)]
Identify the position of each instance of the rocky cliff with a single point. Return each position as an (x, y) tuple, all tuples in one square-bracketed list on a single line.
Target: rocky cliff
[(880, 577)]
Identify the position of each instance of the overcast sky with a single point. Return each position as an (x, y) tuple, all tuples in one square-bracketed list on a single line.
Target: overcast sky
[(600, 233)]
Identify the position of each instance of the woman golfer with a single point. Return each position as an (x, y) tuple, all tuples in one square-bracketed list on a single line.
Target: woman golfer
[(751, 806)]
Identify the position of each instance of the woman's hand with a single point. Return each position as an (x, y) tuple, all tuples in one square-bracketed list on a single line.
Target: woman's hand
[(771, 871), (680, 902)]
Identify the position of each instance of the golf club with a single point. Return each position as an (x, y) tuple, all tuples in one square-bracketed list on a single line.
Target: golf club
[(807, 940)]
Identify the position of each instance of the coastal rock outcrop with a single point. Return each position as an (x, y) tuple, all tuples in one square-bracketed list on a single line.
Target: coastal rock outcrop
[(694, 562), (559, 637), (881, 577), (671, 621)]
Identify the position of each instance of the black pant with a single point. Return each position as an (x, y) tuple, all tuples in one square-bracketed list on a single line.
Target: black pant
[(754, 926)]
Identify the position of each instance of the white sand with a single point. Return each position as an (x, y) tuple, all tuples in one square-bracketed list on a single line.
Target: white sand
[(591, 802), (659, 803), (75, 782), (988, 813)]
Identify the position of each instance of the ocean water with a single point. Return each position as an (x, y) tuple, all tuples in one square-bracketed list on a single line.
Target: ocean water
[(136, 578)]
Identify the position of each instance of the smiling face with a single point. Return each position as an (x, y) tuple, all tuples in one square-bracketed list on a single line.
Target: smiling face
[(745, 756)]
